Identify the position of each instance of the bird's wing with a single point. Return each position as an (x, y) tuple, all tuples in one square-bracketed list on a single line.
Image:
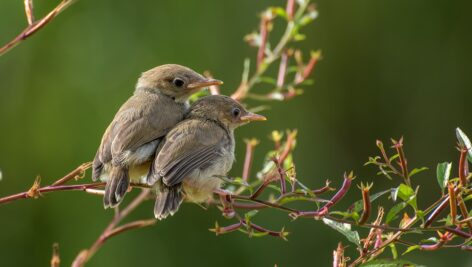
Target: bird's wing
[(139, 121), (192, 144)]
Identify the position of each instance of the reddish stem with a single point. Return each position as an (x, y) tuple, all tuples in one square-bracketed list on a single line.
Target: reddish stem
[(288, 146), (283, 186), (338, 196), (290, 10), (403, 163), (47, 189), (75, 174), (262, 229), (282, 69), (263, 35), (452, 202), (248, 159), (432, 217), (35, 26), (366, 205)]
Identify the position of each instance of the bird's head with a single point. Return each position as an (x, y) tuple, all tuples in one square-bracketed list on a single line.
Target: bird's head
[(174, 80), (223, 109)]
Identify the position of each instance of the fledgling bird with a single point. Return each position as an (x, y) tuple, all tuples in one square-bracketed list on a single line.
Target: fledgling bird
[(197, 152), (159, 102)]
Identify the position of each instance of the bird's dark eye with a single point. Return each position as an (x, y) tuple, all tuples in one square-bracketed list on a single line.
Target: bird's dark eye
[(236, 112), (178, 82)]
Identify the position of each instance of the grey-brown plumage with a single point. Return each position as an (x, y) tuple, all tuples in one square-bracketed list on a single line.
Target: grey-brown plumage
[(130, 141), (196, 152)]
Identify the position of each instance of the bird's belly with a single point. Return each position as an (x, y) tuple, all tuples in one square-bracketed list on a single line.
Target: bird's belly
[(137, 173), (200, 183), (143, 153)]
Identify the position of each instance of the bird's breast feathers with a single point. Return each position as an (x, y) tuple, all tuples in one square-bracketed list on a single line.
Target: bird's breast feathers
[(201, 182)]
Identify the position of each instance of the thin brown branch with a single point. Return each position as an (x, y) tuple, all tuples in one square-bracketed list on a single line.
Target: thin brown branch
[(264, 29), (338, 256), (288, 146), (36, 190), (463, 167), (338, 196), (55, 259), (29, 11), (76, 174), (35, 26), (214, 89), (282, 69), (250, 146), (308, 69), (438, 207), (366, 203), (386, 158), (290, 9), (247, 83), (261, 229), (281, 172), (113, 229), (130, 226), (398, 145), (48, 189), (452, 202)]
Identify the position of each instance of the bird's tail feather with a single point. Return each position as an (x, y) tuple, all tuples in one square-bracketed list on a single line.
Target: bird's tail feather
[(97, 167), (168, 202), (116, 187), (152, 176)]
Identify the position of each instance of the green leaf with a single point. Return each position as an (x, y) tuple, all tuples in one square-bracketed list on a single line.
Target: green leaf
[(198, 95), (251, 213), (372, 160), (253, 233), (279, 11), (443, 172), (235, 181), (469, 197), (384, 172), (417, 170), (308, 18), (393, 157), (389, 263), (274, 187), (405, 192), (299, 37), (354, 215), (344, 229), (393, 248), (268, 80), (286, 200), (420, 214), (410, 249), (392, 213), (288, 163), (464, 140)]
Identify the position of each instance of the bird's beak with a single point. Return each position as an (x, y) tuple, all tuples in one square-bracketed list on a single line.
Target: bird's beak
[(204, 83), (252, 117)]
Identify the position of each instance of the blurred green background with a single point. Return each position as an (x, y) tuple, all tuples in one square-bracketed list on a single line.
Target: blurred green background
[(389, 68)]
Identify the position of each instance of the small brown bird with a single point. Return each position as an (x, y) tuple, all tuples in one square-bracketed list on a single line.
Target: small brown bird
[(197, 152), (130, 141)]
